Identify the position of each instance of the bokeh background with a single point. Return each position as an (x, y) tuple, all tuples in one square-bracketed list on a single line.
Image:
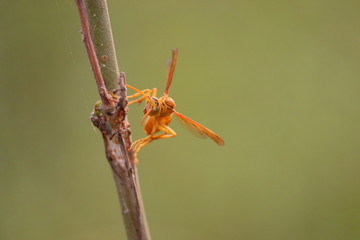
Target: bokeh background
[(278, 80)]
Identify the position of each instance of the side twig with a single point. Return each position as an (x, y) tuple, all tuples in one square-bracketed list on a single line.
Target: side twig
[(109, 116)]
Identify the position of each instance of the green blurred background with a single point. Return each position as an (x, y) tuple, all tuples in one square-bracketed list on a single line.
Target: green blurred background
[(278, 80)]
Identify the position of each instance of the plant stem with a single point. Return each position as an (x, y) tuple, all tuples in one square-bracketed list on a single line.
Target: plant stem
[(101, 34), (110, 115)]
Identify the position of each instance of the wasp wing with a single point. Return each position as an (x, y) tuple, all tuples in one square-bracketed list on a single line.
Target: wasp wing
[(171, 69), (198, 129)]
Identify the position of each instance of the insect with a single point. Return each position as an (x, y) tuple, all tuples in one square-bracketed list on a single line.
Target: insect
[(158, 113)]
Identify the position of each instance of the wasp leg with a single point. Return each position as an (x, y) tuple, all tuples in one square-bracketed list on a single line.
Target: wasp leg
[(168, 132), (137, 145), (133, 145), (154, 92), (145, 93), (142, 142), (137, 142)]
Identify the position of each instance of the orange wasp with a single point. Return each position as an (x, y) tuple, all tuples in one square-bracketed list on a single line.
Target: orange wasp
[(158, 113)]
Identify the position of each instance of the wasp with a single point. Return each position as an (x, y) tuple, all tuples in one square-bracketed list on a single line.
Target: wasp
[(158, 113)]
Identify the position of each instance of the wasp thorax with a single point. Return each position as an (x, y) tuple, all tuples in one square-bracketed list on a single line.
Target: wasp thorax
[(170, 102)]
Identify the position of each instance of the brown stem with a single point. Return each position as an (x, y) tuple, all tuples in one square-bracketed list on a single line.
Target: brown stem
[(110, 118)]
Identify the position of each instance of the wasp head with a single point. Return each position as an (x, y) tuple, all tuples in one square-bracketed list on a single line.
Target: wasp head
[(152, 106)]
